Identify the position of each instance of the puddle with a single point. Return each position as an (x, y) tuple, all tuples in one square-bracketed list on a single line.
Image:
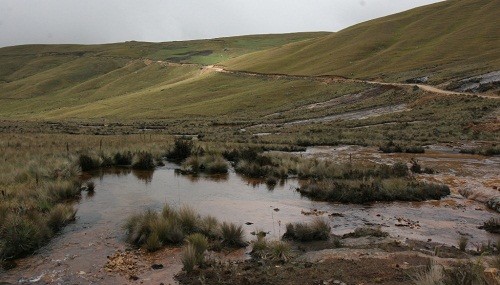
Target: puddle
[(79, 253)]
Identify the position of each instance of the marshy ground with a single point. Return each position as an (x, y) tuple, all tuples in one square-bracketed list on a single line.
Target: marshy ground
[(93, 248)]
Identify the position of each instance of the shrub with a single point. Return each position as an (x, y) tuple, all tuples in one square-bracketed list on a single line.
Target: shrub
[(182, 150), (318, 229), (143, 161), (232, 235)]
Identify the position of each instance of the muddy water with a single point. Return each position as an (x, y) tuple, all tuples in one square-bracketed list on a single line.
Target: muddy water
[(80, 253)]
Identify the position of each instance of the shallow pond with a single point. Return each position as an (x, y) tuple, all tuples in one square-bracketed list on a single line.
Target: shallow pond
[(80, 252)]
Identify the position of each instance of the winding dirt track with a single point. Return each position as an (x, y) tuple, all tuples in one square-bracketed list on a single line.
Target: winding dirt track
[(320, 78), (333, 78)]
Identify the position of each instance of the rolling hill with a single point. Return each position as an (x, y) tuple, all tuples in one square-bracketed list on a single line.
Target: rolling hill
[(446, 40), (287, 87)]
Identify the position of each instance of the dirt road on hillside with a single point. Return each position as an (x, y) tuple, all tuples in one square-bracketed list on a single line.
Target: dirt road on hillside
[(330, 79)]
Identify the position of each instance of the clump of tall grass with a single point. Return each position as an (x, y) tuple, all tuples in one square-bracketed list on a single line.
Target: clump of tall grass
[(152, 230), (492, 225), (189, 258), (60, 216), (432, 275), (209, 226), (88, 162), (62, 190), (143, 161), (211, 164), (260, 247), (123, 158), (182, 149), (21, 235), (318, 229), (232, 235), (391, 147), (462, 242), (465, 273), (366, 231), (280, 251), (365, 191), (200, 245)]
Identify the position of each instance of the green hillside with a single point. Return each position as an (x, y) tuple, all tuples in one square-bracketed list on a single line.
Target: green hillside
[(454, 38), (42, 81)]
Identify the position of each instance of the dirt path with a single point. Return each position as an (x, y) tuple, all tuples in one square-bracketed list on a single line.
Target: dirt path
[(322, 78), (336, 79)]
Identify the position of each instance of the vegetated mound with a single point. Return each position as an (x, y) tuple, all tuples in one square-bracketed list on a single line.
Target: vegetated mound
[(442, 41)]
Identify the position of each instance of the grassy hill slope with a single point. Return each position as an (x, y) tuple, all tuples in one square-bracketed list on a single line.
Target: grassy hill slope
[(455, 38)]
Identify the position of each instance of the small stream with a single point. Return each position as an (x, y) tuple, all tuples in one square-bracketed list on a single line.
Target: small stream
[(80, 252)]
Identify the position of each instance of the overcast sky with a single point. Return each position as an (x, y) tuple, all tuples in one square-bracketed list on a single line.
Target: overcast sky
[(103, 21)]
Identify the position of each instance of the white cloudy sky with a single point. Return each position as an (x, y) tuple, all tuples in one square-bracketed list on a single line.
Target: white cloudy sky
[(102, 21)]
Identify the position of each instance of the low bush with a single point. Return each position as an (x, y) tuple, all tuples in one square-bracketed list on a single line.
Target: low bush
[(318, 229)]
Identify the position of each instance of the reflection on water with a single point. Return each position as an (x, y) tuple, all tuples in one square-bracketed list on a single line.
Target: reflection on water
[(238, 199)]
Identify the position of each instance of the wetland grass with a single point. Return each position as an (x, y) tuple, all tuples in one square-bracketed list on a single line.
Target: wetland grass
[(318, 229)]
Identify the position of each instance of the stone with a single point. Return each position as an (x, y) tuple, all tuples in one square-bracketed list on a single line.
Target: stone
[(157, 266)]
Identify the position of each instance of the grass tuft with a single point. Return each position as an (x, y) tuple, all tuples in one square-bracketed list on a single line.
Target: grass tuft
[(232, 235), (318, 229)]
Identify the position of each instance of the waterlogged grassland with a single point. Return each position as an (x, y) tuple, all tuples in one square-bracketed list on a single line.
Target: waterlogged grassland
[(40, 174)]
